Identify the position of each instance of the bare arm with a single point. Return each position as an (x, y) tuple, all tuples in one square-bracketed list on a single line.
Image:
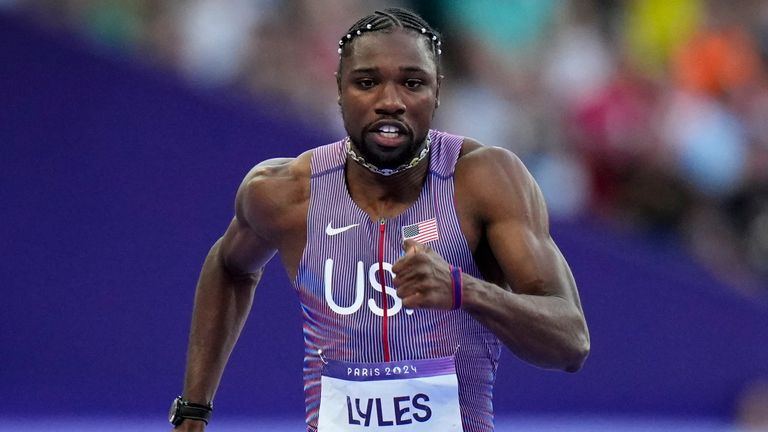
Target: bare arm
[(535, 308), (225, 292)]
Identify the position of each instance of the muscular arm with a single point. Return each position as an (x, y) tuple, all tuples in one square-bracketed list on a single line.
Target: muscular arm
[(533, 304), (539, 318), (225, 290)]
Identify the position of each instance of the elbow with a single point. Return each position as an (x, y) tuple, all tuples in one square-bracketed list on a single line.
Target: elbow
[(577, 353)]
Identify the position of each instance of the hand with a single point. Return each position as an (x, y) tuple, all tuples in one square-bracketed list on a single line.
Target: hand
[(190, 426), (423, 278)]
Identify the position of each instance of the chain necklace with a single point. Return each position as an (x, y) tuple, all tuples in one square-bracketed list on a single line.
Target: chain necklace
[(386, 171)]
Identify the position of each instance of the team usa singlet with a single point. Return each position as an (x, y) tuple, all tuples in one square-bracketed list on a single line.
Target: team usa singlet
[(339, 283)]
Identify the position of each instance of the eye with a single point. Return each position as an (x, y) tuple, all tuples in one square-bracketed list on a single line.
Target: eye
[(413, 83), (365, 83)]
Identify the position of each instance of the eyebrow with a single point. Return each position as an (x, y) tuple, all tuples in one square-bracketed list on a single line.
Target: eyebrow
[(369, 70)]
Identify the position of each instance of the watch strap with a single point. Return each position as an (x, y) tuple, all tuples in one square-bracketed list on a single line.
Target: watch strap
[(187, 410)]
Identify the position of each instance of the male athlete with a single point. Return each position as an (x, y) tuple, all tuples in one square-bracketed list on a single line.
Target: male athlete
[(414, 253)]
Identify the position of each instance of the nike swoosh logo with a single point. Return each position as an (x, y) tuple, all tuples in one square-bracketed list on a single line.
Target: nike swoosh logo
[(331, 231)]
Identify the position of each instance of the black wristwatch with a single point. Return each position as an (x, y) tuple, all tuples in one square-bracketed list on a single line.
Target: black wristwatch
[(182, 409)]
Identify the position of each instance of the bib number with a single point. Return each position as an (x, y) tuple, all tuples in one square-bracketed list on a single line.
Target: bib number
[(415, 395)]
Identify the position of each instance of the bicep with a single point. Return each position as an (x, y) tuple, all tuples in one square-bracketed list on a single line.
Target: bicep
[(245, 246), (517, 229), (242, 250), (529, 259)]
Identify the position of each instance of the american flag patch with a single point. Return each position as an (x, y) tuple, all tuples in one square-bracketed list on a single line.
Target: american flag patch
[(422, 232)]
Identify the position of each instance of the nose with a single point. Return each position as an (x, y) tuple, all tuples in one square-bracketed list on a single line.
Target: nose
[(390, 101)]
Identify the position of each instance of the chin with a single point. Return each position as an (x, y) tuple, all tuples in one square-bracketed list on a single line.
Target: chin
[(388, 157)]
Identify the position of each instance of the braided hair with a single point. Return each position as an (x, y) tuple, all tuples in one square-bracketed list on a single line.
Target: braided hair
[(386, 20)]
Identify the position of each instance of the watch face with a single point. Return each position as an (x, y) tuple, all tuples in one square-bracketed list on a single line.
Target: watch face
[(174, 410)]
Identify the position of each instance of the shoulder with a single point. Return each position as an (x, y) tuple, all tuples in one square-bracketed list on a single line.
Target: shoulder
[(273, 187), (493, 164), (277, 172), (495, 179)]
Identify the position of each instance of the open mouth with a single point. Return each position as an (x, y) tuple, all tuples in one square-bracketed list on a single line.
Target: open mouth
[(389, 131)]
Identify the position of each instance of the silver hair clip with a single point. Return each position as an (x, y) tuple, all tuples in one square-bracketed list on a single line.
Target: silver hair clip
[(424, 31)]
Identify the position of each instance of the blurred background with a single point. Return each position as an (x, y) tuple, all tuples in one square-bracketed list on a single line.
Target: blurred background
[(126, 127)]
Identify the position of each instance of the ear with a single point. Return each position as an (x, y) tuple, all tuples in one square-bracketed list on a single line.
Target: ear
[(437, 91), (337, 74)]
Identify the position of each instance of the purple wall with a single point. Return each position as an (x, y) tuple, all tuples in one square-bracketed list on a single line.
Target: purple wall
[(114, 182)]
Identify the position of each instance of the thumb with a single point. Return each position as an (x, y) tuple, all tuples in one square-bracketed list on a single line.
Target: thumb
[(411, 246)]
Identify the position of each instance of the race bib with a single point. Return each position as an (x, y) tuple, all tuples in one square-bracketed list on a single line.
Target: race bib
[(411, 395)]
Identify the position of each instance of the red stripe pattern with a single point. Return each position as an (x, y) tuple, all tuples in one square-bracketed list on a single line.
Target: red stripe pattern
[(339, 284)]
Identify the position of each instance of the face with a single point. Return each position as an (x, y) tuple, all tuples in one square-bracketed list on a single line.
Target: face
[(388, 92)]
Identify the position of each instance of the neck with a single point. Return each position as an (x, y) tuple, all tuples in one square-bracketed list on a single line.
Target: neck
[(386, 172), (385, 196)]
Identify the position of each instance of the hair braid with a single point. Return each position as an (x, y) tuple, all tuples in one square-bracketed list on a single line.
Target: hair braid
[(391, 18)]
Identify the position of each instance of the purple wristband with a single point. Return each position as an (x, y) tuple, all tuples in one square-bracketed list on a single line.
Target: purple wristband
[(458, 287)]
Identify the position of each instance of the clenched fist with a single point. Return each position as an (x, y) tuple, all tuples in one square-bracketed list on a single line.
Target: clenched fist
[(423, 278)]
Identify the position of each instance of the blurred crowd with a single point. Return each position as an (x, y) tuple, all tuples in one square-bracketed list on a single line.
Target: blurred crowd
[(648, 114)]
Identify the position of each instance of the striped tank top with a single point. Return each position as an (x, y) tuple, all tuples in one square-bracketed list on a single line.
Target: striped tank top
[(340, 288)]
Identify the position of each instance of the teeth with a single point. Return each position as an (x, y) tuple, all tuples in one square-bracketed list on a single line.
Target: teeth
[(388, 129)]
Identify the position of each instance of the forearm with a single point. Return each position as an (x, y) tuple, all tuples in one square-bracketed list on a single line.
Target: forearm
[(222, 304), (547, 331)]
